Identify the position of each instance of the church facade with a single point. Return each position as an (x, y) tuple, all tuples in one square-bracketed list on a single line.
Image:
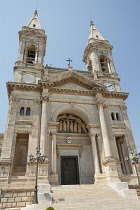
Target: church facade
[(77, 118)]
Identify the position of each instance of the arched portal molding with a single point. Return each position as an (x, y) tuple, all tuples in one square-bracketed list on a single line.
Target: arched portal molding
[(76, 110)]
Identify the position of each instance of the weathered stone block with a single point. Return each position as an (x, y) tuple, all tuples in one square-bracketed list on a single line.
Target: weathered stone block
[(28, 203), (14, 205), (7, 205), (15, 195), (22, 194), (8, 195), (32, 193), (28, 194), (11, 200), (4, 200), (21, 204), (25, 199), (18, 199)]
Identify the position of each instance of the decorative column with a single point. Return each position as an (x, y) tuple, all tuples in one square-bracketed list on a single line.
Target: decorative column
[(9, 142), (54, 174), (105, 135), (53, 152), (95, 154), (43, 134)]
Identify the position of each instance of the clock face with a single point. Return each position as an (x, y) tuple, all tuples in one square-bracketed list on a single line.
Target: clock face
[(109, 86), (28, 78)]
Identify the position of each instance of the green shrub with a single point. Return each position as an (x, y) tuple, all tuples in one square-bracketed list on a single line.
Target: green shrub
[(50, 208)]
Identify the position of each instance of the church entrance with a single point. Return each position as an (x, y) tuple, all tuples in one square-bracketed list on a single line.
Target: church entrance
[(69, 170)]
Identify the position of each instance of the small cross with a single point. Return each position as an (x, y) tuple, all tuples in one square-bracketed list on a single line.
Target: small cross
[(69, 60)]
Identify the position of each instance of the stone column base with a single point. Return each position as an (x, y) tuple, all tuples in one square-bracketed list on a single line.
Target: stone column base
[(111, 170), (100, 179), (53, 179), (43, 173)]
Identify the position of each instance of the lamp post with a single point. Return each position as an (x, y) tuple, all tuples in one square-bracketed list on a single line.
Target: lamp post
[(38, 159), (135, 160)]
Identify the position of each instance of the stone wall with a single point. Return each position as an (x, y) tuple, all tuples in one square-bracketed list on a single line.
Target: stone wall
[(12, 198)]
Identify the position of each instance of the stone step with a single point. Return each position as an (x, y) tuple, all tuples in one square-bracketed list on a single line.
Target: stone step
[(82, 197)]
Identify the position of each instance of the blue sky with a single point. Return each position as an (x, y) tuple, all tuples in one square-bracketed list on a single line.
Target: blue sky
[(67, 26)]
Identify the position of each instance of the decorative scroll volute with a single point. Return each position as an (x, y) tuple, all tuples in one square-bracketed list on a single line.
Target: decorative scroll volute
[(69, 123)]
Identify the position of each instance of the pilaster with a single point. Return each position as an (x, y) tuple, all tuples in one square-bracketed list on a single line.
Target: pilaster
[(44, 127), (110, 164)]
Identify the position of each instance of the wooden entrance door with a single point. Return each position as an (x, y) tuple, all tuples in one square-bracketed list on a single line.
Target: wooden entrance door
[(69, 170)]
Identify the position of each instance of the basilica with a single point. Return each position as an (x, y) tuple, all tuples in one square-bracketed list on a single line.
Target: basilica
[(77, 119)]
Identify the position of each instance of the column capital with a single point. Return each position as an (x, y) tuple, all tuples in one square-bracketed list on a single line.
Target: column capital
[(53, 124), (14, 99), (45, 98), (53, 132), (93, 134), (37, 101), (101, 103), (123, 107)]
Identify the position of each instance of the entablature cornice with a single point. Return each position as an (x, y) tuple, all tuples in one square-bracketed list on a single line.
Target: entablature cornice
[(38, 87), (20, 86), (24, 122), (118, 127), (114, 94), (27, 69), (70, 91)]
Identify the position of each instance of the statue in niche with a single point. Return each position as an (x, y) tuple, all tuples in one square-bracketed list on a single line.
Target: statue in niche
[(68, 126), (69, 123), (84, 127), (64, 126), (79, 128), (71, 126), (60, 126), (75, 127)]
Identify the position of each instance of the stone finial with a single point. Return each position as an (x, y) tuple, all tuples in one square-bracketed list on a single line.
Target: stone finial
[(35, 13), (70, 68)]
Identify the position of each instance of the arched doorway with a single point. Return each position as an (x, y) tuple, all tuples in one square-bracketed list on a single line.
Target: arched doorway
[(75, 160)]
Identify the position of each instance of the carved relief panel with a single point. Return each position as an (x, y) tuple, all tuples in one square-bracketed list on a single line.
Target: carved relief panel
[(69, 123)]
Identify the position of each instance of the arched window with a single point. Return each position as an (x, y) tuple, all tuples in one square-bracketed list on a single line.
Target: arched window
[(112, 116), (28, 111), (103, 64), (118, 116), (31, 55), (22, 111)]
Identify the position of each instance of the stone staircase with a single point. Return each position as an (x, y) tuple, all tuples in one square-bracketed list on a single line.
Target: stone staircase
[(137, 188), (83, 197)]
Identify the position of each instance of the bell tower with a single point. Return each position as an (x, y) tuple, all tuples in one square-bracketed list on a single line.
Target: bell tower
[(98, 53), (32, 47), (99, 61)]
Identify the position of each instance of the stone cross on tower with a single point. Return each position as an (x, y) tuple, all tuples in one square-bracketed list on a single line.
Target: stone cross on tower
[(69, 60)]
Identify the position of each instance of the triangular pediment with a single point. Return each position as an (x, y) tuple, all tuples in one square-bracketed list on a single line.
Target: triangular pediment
[(71, 85), (73, 80)]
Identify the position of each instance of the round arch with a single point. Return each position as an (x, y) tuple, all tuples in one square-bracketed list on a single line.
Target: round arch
[(76, 110)]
